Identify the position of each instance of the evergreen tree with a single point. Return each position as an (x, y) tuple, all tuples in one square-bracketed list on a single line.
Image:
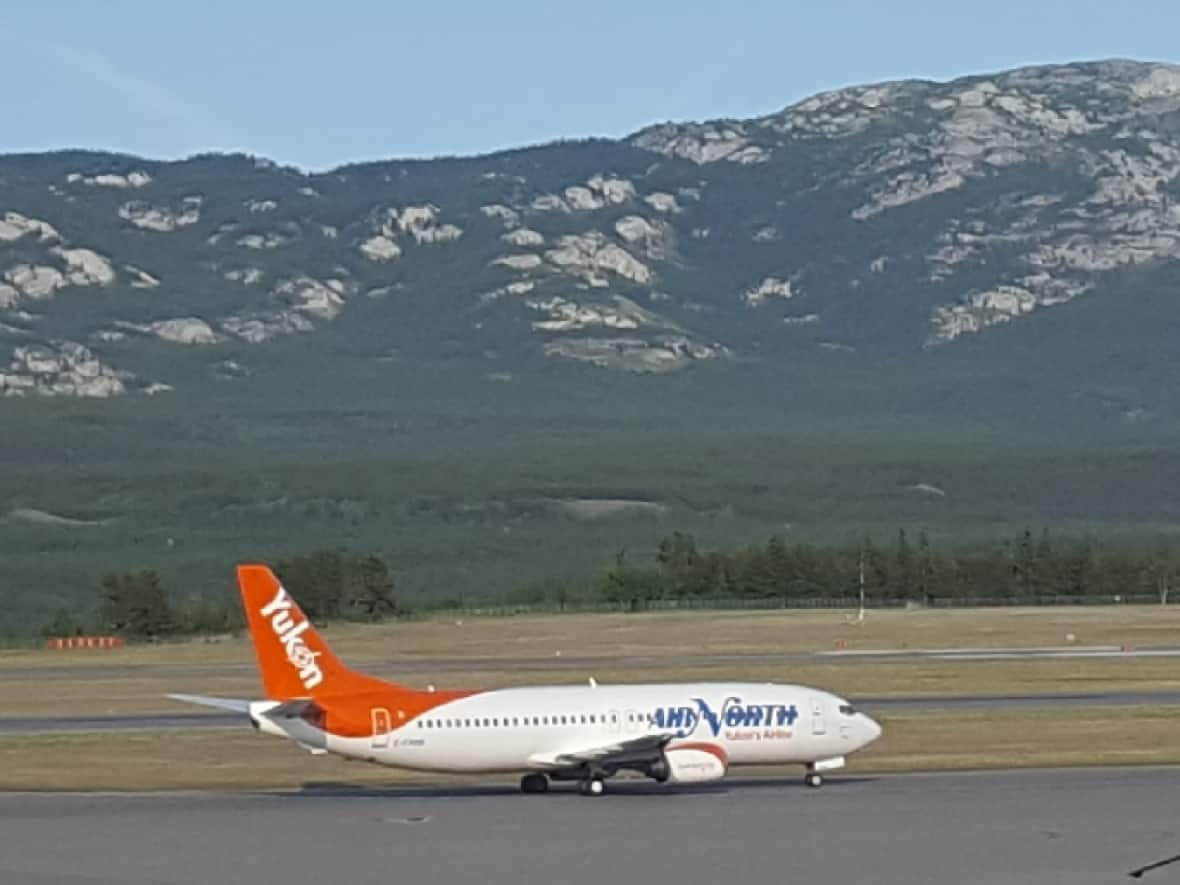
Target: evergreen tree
[(373, 593), (135, 604)]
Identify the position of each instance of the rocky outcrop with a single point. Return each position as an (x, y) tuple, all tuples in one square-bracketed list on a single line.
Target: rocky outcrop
[(322, 300), (666, 354), (524, 261), (523, 237), (707, 143), (262, 327), (60, 368), (14, 226), (111, 179), (268, 240), (771, 287), (141, 279), (35, 281), (380, 248), (584, 254), (162, 218), (86, 267), (182, 330)]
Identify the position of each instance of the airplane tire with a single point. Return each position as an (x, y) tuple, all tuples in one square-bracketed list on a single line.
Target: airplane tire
[(594, 786), (813, 779), (534, 783)]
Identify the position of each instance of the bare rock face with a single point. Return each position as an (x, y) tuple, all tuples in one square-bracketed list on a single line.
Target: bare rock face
[(662, 202), (14, 226), (586, 253), (162, 219), (110, 179), (60, 368), (321, 300), (523, 237), (182, 330), (667, 354), (35, 281), (771, 287), (506, 214), (86, 267), (264, 326), (702, 144), (525, 261), (380, 248)]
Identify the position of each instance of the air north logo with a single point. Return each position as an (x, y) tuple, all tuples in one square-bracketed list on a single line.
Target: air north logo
[(733, 714), (291, 635)]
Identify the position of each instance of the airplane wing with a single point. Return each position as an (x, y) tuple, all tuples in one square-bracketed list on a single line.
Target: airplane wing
[(234, 705), (644, 748)]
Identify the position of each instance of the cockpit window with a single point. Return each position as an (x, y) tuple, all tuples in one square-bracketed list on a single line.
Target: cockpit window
[(847, 709)]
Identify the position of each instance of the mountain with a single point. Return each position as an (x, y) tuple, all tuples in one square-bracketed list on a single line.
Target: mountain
[(893, 218), (802, 319)]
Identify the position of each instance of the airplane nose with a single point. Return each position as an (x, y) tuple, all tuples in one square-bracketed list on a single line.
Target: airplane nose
[(871, 728)]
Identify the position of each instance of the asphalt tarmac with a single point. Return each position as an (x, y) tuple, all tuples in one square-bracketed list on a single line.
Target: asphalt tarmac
[(1072, 826)]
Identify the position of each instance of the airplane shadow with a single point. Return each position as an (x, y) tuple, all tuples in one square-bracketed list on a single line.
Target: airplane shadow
[(621, 788)]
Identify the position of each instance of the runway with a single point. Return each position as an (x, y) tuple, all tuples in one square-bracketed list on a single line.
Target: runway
[(1077, 827), (426, 667), (190, 721)]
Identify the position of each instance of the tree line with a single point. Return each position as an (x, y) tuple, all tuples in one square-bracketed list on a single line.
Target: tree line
[(1026, 568), (1029, 567), (328, 584)]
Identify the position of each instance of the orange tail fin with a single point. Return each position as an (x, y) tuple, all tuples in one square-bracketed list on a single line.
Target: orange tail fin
[(293, 658)]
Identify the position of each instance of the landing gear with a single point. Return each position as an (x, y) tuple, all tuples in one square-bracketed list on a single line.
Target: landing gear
[(534, 783), (813, 779), (592, 786)]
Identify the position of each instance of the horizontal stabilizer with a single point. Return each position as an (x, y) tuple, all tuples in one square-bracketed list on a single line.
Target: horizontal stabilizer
[(234, 705), (295, 709)]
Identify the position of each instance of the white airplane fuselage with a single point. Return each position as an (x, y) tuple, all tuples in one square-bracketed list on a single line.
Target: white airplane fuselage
[(521, 729)]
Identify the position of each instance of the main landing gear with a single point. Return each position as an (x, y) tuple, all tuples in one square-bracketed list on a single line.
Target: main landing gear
[(813, 779), (534, 783)]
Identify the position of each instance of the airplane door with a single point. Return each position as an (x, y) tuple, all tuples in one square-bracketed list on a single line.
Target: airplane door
[(633, 722), (614, 720), (818, 725), (382, 726)]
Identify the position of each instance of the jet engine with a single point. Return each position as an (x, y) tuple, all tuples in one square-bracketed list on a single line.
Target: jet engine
[(690, 765)]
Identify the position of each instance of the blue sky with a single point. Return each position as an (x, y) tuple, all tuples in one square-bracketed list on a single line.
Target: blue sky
[(320, 84)]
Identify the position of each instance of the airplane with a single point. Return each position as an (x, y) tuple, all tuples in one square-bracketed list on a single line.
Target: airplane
[(673, 733)]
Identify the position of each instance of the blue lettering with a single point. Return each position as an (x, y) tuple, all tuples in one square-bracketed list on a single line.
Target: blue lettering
[(733, 714)]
